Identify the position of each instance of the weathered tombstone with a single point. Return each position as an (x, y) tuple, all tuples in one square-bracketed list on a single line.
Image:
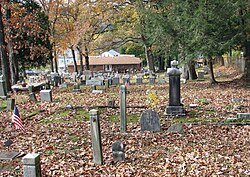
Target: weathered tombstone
[(200, 76), (176, 128), (243, 116), (205, 69), (161, 81), (115, 80), (47, 85), (123, 120), (96, 137), (94, 81), (10, 104), (3, 92), (138, 80), (46, 95), (97, 91), (31, 165), (175, 107), (63, 85), (150, 121), (126, 78), (8, 155), (118, 151), (57, 80), (32, 97), (110, 103), (106, 83), (76, 87), (152, 79)]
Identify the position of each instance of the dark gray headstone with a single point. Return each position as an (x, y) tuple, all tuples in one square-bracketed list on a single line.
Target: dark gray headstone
[(8, 155), (176, 128), (150, 121), (118, 151), (76, 87), (10, 104), (138, 80), (243, 116), (32, 97), (152, 79), (115, 81), (111, 103), (3, 91), (201, 75)]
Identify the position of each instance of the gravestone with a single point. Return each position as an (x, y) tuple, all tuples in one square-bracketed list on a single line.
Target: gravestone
[(201, 76), (110, 103), (123, 119), (57, 80), (3, 92), (115, 80), (138, 80), (106, 83), (32, 97), (76, 87), (243, 116), (161, 81), (176, 128), (118, 151), (96, 137), (8, 155), (175, 107), (152, 79), (94, 81), (97, 91), (46, 95), (150, 121), (31, 165), (10, 104), (31, 88)]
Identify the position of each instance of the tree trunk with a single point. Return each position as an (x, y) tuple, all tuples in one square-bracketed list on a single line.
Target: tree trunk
[(149, 57), (161, 63), (51, 60), (81, 59), (211, 70), (74, 59), (86, 56), (3, 54), (55, 61), (220, 59), (186, 72), (191, 70), (247, 59)]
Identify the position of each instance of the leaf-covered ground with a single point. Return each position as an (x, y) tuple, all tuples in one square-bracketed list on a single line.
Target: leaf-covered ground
[(62, 136)]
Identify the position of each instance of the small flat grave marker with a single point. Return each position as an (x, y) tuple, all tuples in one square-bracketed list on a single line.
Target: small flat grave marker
[(176, 128), (8, 155), (97, 91), (118, 151), (150, 121)]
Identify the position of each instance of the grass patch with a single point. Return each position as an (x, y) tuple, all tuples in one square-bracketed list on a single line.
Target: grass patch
[(67, 116), (132, 118), (3, 104)]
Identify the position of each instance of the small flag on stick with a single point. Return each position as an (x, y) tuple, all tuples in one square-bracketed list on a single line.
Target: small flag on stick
[(127, 84), (16, 120)]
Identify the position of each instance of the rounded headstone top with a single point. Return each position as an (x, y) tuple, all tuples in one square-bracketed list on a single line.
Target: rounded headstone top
[(173, 72)]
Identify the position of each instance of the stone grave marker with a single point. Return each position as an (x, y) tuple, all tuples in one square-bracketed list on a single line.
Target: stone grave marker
[(46, 95), (201, 76), (123, 119), (96, 136), (118, 151), (76, 87), (97, 91), (138, 80), (115, 80), (94, 81), (10, 104), (32, 97), (3, 92), (175, 108), (243, 116), (110, 103), (8, 155), (150, 121), (31, 165), (152, 79), (176, 128)]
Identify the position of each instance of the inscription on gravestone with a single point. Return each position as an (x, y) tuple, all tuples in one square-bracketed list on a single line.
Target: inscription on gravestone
[(150, 121)]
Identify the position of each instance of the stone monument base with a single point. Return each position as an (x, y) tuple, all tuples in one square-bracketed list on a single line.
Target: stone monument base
[(174, 111)]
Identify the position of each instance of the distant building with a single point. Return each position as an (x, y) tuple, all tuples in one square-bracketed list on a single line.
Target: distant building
[(64, 59), (120, 63)]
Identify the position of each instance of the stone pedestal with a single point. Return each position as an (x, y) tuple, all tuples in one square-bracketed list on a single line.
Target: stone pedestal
[(31, 165), (175, 107)]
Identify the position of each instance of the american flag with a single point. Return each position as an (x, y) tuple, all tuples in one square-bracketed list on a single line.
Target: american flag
[(16, 120), (127, 83)]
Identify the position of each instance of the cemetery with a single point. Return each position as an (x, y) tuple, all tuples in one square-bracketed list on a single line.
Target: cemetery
[(144, 129), (124, 88)]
